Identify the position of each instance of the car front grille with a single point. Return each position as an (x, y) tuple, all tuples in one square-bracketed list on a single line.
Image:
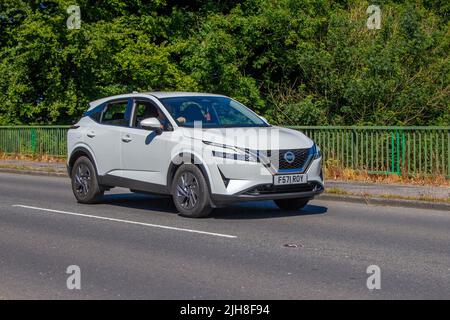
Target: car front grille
[(288, 160), (300, 159)]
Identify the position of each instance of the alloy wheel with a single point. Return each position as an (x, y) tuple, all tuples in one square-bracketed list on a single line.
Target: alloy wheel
[(83, 180), (187, 190)]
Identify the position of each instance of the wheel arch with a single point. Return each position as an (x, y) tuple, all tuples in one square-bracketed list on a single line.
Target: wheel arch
[(190, 158), (78, 152)]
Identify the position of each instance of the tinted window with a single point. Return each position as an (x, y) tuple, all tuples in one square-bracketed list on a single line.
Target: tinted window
[(144, 110), (116, 114), (96, 116), (211, 112), (96, 113), (147, 109)]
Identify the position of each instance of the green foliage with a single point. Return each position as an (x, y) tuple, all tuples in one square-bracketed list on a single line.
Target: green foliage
[(301, 62)]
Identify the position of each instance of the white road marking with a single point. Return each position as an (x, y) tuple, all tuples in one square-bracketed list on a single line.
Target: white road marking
[(125, 221)]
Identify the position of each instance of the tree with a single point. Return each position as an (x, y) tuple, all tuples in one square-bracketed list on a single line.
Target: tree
[(293, 61)]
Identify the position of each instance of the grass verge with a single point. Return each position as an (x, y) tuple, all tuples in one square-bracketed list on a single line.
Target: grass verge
[(37, 158), (335, 172), (339, 191), (29, 168)]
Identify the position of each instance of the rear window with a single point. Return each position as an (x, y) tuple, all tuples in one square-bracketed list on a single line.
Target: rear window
[(96, 116), (96, 113), (116, 114)]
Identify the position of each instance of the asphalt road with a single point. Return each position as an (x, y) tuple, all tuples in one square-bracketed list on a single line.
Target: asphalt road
[(136, 247)]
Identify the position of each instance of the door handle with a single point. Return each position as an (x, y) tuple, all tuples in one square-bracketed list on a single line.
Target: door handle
[(91, 134), (126, 138)]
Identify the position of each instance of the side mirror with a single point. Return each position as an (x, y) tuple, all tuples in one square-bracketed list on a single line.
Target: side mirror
[(151, 124)]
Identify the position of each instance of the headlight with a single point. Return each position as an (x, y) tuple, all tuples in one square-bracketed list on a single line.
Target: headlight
[(236, 154), (219, 145), (316, 151)]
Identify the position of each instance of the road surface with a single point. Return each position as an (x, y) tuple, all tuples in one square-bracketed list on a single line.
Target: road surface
[(136, 247)]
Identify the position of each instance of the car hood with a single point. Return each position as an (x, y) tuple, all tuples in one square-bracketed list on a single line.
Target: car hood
[(255, 138)]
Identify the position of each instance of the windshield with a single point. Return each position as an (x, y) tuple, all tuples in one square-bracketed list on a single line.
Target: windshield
[(212, 112)]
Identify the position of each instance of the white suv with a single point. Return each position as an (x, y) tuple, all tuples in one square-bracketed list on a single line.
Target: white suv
[(204, 150)]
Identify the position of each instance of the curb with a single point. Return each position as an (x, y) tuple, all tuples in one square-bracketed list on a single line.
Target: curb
[(34, 172), (386, 202)]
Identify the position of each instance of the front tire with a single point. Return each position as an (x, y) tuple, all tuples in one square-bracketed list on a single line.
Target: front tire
[(291, 204), (85, 185), (190, 192)]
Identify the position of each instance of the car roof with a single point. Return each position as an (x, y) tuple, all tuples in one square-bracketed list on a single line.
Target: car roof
[(157, 94), (167, 94)]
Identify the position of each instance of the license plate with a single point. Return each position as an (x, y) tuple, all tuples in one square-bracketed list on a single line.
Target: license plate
[(290, 179)]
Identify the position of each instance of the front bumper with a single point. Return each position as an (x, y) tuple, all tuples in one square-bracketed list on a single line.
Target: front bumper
[(230, 179), (270, 192)]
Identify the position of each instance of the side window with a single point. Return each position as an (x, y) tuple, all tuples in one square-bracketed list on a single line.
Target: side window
[(96, 113), (116, 114), (96, 116), (146, 109)]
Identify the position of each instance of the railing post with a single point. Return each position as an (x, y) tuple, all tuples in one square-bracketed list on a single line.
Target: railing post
[(397, 149), (448, 154), (403, 167), (33, 140), (355, 149), (392, 152)]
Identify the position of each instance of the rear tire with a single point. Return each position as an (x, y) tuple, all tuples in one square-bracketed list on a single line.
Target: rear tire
[(291, 204), (85, 185), (190, 192)]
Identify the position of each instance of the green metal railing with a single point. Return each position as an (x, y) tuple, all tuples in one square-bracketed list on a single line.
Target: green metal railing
[(36, 140), (399, 150)]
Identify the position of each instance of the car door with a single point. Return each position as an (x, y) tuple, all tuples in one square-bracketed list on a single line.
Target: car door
[(104, 138), (145, 156)]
